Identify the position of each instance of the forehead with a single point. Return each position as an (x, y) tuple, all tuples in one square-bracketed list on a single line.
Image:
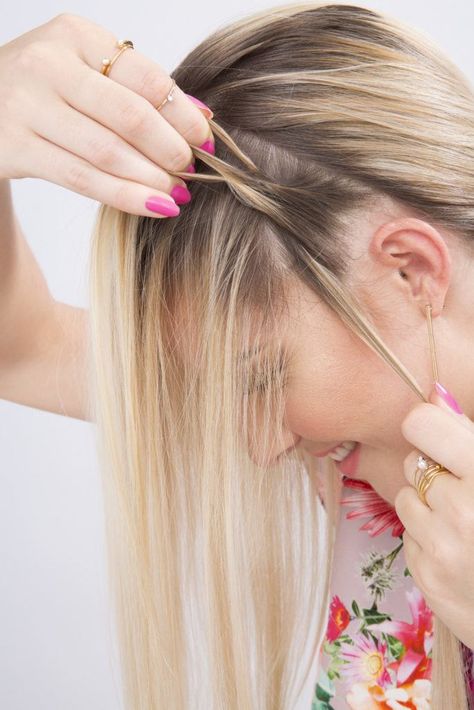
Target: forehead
[(298, 313)]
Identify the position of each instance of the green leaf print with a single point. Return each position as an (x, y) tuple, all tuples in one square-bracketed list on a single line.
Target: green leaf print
[(323, 692), (374, 616), (396, 647), (321, 705), (333, 650)]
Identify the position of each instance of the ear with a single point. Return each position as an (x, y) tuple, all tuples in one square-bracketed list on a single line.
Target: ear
[(419, 257)]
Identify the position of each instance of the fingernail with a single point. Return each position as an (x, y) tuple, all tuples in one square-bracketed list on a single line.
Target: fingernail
[(180, 194), (209, 147), (190, 169), (155, 203), (448, 398), (201, 105)]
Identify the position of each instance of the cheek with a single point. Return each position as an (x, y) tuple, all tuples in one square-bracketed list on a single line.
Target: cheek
[(349, 405), (315, 414)]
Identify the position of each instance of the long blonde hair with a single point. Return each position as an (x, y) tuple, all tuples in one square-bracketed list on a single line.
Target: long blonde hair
[(217, 564)]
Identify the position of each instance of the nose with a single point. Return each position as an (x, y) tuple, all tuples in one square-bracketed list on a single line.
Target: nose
[(269, 458)]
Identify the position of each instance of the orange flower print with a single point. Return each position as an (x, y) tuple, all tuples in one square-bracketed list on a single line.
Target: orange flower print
[(339, 618), (417, 696), (369, 504)]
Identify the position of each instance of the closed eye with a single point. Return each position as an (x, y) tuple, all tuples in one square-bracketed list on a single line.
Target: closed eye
[(260, 381)]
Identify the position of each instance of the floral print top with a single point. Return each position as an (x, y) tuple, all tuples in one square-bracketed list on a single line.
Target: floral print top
[(377, 648)]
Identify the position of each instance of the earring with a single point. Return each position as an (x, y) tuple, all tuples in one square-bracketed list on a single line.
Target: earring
[(434, 360)]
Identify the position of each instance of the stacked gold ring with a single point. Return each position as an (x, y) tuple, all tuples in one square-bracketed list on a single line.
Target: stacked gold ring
[(425, 473)]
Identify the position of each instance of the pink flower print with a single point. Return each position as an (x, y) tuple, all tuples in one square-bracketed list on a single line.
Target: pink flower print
[(339, 618), (366, 661), (369, 503), (417, 638)]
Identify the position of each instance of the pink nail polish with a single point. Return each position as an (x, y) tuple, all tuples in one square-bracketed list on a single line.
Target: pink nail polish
[(448, 398), (209, 147), (190, 169), (180, 194), (200, 104), (155, 203)]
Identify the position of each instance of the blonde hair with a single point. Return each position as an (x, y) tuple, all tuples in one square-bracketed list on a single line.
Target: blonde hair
[(217, 564)]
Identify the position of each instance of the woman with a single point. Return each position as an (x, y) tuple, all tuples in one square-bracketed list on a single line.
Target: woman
[(232, 342)]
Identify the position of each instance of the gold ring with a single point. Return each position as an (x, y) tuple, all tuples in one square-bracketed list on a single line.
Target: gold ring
[(169, 96), (122, 44), (425, 473)]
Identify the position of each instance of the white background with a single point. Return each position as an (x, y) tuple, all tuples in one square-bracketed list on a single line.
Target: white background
[(56, 643)]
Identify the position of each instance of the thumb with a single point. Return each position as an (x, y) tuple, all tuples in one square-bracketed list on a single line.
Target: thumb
[(440, 396)]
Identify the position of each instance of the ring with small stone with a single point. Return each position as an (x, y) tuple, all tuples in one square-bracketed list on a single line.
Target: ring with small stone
[(169, 96), (425, 473)]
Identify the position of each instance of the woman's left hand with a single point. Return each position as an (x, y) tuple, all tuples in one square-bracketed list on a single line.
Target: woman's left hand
[(439, 537)]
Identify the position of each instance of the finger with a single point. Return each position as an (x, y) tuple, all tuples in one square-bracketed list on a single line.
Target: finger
[(90, 140), (442, 437), (416, 517), (413, 556), (138, 73), (63, 168), (430, 561), (133, 117), (148, 79), (444, 487), (442, 399), (125, 113)]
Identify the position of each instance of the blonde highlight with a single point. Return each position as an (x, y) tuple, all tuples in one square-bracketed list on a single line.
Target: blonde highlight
[(302, 141)]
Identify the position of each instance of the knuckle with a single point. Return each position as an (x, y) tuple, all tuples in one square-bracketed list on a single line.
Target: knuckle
[(66, 20), (32, 55), (104, 153), (132, 118), (436, 548), (121, 198), (77, 177), (424, 578), (193, 129), (69, 24), (154, 84), (464, 521), (442, 563), (180, 160)]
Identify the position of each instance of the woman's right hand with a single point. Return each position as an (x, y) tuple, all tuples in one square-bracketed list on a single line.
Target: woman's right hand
[(64, 121)]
